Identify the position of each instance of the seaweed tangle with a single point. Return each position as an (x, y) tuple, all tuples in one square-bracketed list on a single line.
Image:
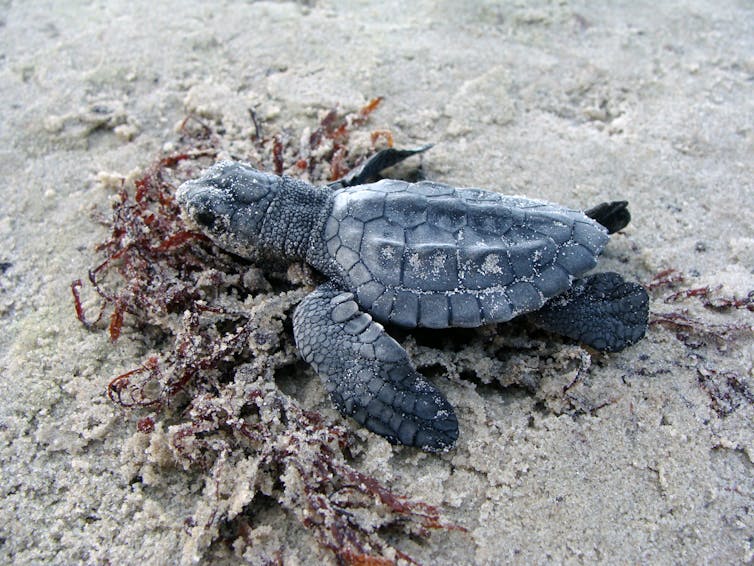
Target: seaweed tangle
[(694, 331), (217, 327), (727, 389)]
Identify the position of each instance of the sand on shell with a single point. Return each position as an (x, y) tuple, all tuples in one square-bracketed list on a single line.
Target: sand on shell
[(647, 458)]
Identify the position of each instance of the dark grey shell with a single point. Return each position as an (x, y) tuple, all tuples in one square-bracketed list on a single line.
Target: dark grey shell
[(428, 254)]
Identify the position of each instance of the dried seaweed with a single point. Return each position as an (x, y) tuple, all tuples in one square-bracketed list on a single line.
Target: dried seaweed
[(708, 296), (217, 325), (694, 330), (727, 390)]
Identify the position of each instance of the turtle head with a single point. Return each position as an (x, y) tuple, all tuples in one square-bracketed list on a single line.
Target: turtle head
[(228, 203)]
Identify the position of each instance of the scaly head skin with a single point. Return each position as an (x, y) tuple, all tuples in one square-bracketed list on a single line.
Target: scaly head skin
[(252, 213)]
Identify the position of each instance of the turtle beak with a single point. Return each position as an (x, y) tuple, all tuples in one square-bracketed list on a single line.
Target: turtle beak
[(205, 205)]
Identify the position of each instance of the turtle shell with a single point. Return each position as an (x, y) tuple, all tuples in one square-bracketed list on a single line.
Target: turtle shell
[(432, 255)]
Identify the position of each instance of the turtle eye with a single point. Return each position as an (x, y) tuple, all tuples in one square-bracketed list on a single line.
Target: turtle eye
[(206, 219)]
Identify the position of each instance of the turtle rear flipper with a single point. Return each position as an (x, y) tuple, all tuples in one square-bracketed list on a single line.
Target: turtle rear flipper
[(612, 215), (602, 310), (368, 374)]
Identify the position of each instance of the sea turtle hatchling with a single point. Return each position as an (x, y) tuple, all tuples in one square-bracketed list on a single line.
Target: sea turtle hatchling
[(416, 254)]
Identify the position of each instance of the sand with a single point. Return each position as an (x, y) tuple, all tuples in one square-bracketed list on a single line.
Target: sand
[(647, 458)]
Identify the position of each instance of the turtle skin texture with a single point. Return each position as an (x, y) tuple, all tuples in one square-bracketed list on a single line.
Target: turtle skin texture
[(417, 255)]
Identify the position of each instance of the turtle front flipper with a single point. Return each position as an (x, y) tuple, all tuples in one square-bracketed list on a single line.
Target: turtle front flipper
[(603, 311), (381, 160), (368, 374)]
